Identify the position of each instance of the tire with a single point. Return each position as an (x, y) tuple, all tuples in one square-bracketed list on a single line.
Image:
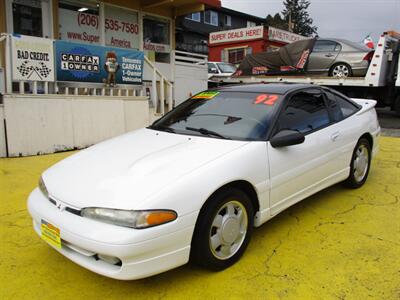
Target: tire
[(220, 237), (341, 70), (360, 164)]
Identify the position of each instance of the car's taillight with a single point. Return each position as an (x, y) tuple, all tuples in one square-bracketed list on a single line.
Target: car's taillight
[(369, 56)]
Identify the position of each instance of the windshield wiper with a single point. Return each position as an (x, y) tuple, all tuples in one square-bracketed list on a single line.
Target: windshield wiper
[(204, 131), (162, 128)]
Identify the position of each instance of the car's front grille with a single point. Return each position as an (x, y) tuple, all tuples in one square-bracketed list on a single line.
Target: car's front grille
[(67, 208), (73, 211)]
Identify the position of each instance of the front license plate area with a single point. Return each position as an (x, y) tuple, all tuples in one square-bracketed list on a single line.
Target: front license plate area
[(51, 234)]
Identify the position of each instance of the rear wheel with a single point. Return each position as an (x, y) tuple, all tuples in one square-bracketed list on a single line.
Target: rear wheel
[(360, 164), (223, 230), (340, 70)]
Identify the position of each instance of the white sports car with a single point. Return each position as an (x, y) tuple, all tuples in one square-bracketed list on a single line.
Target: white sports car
[(195, 183)]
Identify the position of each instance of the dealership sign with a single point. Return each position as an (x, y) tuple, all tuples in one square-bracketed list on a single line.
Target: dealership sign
[(90, 63), (279, 35), (121, 27), (241, 34), (32, 58)]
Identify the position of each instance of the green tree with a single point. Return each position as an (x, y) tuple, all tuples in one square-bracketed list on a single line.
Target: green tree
[(296, 12), (277, 21)]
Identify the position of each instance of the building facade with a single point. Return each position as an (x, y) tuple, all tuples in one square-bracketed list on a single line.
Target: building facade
[(74, 73), (192, 30), (145, 25)]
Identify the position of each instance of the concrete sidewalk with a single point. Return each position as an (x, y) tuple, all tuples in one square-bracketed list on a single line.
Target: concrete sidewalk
[(338, 244)]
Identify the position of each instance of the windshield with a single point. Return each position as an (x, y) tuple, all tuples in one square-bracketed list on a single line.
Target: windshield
[(226, 68), (219, 114)]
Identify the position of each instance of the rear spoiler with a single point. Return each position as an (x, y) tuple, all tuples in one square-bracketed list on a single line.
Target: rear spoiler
[(366, 104)]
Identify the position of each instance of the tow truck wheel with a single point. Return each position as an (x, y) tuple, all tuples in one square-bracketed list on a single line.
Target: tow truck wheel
[(340, 70)]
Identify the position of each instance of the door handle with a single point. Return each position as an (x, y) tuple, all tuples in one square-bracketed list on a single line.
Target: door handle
[(335, 136), (329, 55)]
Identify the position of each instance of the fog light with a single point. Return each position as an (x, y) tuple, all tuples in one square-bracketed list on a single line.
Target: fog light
[(109, 259)]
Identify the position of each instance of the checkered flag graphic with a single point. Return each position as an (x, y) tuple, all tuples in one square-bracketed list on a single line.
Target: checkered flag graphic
[(43, 70), (24, 69)]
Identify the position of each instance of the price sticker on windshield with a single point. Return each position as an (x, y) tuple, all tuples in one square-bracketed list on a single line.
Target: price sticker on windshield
[(206, 95), (266, 99)]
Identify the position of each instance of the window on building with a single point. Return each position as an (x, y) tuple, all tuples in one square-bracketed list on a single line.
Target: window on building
[(79, 22), (228, 20), (194, 17), (235, 56), (121, 27), (251, 24), (211, 17), (27, 18), (156, 38)]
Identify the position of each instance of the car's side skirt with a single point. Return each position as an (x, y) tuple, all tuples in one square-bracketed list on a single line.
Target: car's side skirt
[(316, 187)]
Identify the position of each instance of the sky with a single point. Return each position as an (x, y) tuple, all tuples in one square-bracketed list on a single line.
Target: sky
[(348, 19)]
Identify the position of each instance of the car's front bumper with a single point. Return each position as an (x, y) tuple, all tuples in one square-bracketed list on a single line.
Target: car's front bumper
[(142, 252)]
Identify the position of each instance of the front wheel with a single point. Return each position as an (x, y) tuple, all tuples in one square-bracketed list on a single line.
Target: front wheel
[(223, 230), (360, 164), (340, 70)]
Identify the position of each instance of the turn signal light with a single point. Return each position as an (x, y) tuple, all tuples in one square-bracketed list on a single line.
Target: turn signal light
[(161, 217)]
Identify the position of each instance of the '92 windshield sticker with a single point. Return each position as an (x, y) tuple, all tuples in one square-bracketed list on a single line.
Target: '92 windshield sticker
[(206, 95), (266, 99)]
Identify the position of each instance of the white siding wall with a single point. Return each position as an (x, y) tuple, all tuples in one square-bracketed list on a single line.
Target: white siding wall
[(49, 123)]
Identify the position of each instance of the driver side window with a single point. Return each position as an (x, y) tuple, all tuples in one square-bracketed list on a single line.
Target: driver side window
[(306, 112)]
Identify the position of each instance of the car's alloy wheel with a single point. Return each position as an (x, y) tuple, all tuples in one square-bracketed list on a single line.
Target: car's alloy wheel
[(228, 230), (223, 229), (360, 164), (341, 71)]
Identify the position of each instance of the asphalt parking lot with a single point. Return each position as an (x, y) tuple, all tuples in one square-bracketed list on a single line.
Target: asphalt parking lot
[(338, 244)]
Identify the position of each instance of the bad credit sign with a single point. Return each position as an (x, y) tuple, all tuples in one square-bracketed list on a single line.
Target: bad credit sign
[(241, 34)]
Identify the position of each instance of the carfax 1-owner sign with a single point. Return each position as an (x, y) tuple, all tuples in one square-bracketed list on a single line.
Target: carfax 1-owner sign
[(92, 63), (32, 58)]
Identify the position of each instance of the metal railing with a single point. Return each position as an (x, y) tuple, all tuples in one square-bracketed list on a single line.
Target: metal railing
[(81, 88), (161, 90)]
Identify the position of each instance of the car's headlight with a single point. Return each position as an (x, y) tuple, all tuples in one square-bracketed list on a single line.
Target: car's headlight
[(42, 187), (130, 218)]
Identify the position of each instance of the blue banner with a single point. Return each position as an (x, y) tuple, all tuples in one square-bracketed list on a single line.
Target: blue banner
[(90, 63)]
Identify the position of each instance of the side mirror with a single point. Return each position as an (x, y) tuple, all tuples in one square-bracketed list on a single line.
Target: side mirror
[(287, 138)]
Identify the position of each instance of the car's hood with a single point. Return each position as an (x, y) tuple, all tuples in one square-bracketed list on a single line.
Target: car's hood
[(126, 170)]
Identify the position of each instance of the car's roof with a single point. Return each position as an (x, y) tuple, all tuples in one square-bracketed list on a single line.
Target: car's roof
[(348, 43), (272, 88)]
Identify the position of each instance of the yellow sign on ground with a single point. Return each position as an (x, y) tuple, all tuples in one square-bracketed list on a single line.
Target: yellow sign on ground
[(51, 234)]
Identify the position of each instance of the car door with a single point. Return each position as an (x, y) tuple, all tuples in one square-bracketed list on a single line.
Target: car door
[(323, 55), (346, 132), (300, 170)]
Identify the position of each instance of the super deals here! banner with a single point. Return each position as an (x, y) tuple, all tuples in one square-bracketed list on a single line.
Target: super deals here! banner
[(91, 63)]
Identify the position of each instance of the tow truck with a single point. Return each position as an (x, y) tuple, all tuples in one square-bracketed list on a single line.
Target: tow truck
[(381, 83)]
